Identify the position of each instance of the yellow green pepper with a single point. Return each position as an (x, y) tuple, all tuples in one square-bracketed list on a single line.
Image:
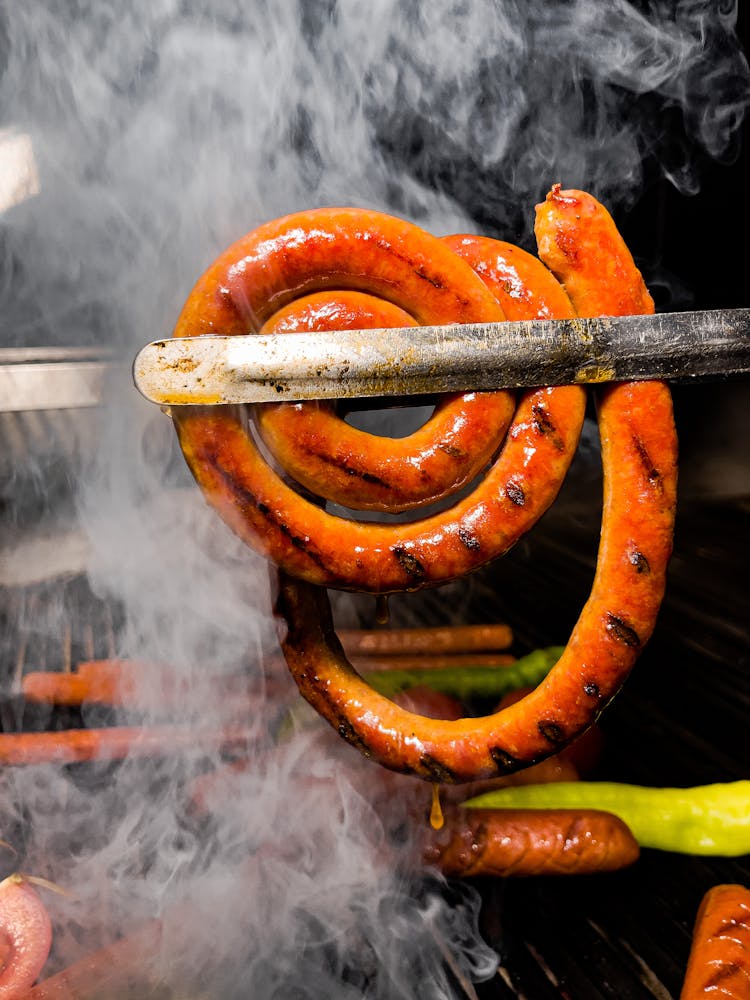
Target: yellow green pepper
[(705, 819)]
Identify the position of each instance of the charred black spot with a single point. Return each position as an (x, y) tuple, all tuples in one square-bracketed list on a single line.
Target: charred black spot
[(469, 539), (504, 762), (451, 450), (544, 426), (639, 561), (515, 493), (409, 563), (551, 731), (622, 631), (248, 499), (591, 689), (652, 473), (370, 478), (436, 770), (347, 732)]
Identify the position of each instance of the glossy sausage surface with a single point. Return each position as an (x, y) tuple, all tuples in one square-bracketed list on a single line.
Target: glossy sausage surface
[(527, 842), (364, 471), (719, 962), (639, 460), (356, 249)]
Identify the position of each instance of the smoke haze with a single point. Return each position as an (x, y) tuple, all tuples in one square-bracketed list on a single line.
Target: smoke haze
[(162, 130)]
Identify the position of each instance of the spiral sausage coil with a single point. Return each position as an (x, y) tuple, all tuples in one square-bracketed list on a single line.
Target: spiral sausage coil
[(350, 268)]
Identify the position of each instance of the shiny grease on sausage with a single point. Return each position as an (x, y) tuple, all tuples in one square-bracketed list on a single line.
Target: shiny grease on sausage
[(719, 962), (579, 243), (527, 842), (359, 249), (639, 459)]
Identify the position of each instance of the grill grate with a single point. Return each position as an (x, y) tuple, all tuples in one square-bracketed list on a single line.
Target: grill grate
[(681, 719)]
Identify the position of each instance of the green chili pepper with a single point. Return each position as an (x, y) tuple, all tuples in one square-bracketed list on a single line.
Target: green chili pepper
[(706, 819), (470, 682)]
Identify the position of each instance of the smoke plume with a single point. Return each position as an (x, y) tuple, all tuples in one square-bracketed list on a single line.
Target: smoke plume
[(161, 131)]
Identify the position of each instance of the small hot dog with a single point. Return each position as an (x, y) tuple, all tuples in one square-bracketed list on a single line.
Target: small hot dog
[(525, 842), (719, 962)]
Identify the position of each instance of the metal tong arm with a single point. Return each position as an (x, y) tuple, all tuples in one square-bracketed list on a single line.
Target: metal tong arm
[(456, 358)]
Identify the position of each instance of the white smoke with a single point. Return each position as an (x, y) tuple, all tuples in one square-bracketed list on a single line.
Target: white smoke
[(162, 130)]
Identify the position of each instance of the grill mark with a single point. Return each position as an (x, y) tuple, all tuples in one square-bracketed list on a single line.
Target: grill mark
[(726, 971), (639, 561), (469, 540), (552, 731), (544, 426), (343, 726), (652, 473), (436, 770), (451, 450), (349, 470), (418, 269), (505, 762), (621, 631), (515, 493), (246, 497), (732, 924), (409, 563)]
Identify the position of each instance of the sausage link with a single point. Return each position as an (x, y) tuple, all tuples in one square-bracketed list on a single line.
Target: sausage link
[(527, 842), (719, 962), (520, 282), (365, 471), (406, 265), (578, 241), (639, 461)]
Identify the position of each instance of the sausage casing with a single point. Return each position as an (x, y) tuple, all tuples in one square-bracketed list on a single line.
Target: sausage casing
[(525, 842), (719, 962)]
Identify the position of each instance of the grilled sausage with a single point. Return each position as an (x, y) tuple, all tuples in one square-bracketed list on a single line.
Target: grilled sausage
[(403, 264), (524, 842), (520, 282), (639, 459), (719, 962), (363, 471)]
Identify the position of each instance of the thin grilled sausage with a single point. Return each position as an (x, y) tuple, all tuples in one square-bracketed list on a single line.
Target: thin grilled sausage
[(719, 962), (527, 842), (363, 471), (640, 472), (347, 247)]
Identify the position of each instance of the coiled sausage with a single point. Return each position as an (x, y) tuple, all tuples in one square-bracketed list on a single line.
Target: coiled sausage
[(357, 249), (580, 243)]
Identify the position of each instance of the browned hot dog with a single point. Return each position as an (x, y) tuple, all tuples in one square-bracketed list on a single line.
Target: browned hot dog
[(719, 962), (524, 842)]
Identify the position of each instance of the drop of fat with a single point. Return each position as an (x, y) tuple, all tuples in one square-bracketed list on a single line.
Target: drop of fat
[(436, 812)]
